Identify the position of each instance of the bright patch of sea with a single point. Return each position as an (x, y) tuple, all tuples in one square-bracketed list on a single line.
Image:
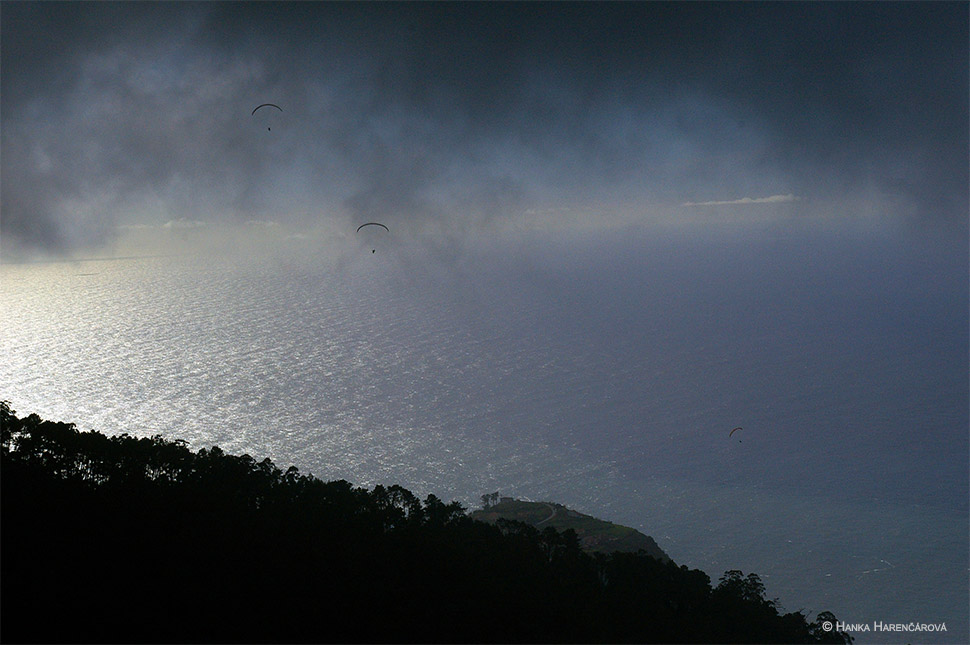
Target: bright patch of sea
[(600, 371)]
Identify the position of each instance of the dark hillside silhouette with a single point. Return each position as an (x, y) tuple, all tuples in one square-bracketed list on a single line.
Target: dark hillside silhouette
[(126, 539)]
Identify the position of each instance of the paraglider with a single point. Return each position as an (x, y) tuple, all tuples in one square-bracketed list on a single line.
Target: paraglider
[(733, 431), (373, 224), (266, 105)]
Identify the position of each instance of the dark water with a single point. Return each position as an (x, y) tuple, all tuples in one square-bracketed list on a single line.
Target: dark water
[(603, 371)]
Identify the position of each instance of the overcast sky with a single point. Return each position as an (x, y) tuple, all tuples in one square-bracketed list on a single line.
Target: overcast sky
[(455, 115)]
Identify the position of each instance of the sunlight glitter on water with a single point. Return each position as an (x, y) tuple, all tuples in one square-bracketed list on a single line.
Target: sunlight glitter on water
[(602, 399)]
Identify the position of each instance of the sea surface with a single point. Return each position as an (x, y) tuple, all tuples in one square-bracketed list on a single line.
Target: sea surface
[(601, 370)]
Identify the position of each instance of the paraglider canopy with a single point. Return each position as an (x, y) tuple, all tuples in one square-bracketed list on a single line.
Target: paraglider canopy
[(266, 105), (373, 224)]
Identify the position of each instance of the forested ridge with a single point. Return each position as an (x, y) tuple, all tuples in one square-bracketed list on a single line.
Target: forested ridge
[(125, 539)]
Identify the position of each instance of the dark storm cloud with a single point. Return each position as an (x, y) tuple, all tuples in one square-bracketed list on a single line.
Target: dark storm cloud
[(437, 111)]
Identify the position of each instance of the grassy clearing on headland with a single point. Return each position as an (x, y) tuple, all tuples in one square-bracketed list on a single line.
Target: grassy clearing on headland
[(595, 535)]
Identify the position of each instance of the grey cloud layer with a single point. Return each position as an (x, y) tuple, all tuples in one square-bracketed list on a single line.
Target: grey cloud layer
[(125, 112)]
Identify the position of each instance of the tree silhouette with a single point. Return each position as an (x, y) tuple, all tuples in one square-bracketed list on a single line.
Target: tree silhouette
[(489, 500), (127, 539)]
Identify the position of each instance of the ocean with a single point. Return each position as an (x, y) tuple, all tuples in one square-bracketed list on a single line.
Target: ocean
[(602, 370)]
